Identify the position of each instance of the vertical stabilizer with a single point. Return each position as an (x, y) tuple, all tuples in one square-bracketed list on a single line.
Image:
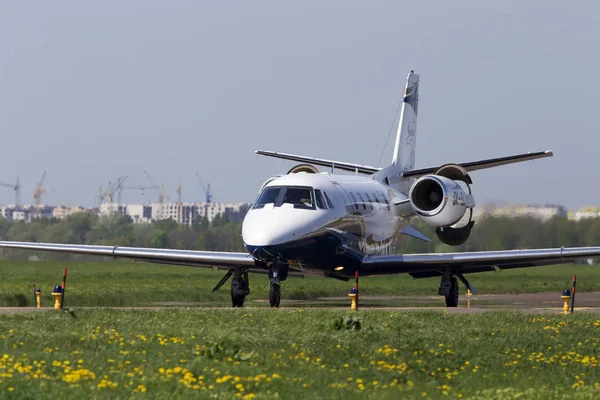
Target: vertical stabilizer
[(404, 151), (406, 139)]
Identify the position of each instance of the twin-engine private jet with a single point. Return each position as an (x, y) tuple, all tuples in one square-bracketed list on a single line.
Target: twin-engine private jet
[(345, 225)]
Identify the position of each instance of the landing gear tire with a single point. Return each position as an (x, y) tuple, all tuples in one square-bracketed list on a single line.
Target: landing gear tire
[(274, 294), (452, 297), (239, 291), (237, 301)]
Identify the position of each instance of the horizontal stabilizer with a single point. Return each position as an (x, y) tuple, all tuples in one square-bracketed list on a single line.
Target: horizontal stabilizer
[(362, 169), (483, 164)]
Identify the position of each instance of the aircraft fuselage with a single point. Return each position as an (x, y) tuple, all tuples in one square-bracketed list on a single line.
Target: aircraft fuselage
[(305, 219)]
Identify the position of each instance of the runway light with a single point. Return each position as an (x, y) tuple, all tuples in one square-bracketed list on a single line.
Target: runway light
[(339, 268)]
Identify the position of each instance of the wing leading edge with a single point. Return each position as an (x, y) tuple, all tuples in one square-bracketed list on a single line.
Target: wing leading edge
[(162, 256)]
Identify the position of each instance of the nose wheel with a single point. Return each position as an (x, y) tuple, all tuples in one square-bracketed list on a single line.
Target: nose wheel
[(277, 274)]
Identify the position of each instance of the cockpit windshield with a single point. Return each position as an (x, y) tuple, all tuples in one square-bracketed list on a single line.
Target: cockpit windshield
[(298, 196), (268, 195)]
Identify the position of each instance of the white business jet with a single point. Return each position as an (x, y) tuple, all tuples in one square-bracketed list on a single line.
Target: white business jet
[(344, 225)]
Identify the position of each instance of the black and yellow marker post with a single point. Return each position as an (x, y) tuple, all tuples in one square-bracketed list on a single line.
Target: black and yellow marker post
[(573, 293), (64, 285)]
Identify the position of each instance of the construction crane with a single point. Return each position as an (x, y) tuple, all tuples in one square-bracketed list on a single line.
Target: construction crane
[(161, 194), (207, 192), (115, 189), (37, 194), (179, 191), (17, 188), (100, 196)]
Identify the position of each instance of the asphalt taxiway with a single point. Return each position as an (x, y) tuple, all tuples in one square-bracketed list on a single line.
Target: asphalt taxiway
[(479, 303)]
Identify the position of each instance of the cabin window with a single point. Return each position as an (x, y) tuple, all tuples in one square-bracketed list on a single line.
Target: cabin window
[(269, 195), (369, 200), (386, 200), (376, 200), (362, 201), (354, 201), (329, 203), (319, 199)]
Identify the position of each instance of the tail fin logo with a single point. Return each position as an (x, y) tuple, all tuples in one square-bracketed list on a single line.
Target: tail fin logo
[(411, 132), (411, 97)]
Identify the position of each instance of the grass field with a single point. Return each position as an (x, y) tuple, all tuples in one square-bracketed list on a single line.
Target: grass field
[(123, 283), (298, 354)]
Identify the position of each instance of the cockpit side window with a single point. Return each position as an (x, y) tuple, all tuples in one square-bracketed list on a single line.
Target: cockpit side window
[(319, 199), (268, 195), (329, 203), (300, 197)]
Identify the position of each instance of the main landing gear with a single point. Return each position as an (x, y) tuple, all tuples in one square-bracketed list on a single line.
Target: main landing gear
[(449, 287), (240, 285)]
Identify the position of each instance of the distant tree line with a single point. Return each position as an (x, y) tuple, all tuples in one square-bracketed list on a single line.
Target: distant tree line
[(490, 233), (504, 233), (119, 230)]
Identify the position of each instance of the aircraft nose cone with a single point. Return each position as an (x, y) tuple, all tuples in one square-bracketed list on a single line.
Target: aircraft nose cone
[(268, 227), (264, 228)]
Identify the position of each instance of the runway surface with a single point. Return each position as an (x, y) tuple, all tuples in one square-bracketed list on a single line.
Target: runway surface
[(528, 303)]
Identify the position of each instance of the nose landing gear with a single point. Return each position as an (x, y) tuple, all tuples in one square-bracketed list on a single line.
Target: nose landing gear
[(274, 294), (277, 274)]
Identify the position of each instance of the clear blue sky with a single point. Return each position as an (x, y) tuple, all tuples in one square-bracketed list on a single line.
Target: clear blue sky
[(90, 91)]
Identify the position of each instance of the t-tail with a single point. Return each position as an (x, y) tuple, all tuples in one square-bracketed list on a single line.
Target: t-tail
[(404, 151), (406, 138)]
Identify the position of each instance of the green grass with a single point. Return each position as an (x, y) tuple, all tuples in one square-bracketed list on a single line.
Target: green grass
[(297, 354), (123, 283)]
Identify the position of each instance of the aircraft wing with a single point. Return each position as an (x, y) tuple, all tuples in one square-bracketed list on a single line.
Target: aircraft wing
[(190, 258), (427, 265), (483, 164), (362, 169)]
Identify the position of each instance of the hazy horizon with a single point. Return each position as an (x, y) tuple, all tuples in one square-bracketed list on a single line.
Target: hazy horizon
[(93, 91)]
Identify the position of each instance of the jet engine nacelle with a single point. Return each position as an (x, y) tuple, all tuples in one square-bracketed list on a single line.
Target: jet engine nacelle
[(439, 201)]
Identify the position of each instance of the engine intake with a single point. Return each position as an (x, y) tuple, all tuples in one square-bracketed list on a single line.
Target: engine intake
[(439, 201)]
